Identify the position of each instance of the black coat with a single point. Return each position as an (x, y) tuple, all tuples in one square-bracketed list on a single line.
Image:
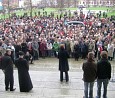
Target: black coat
[(103, 69), (76, 51), (7, 64), (24, 47), (23, 74), (63, 60)]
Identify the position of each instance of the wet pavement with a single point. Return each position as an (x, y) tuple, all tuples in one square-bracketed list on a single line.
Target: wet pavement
[(45, 77)]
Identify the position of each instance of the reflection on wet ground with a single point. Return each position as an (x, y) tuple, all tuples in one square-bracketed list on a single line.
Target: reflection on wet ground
[(45, 77)]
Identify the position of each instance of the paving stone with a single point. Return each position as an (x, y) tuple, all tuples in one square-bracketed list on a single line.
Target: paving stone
[(45, 78)]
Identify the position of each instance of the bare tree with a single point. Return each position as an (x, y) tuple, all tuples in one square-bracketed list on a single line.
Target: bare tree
[(31, 11), (3, 10), (75, 3), (68, 3), (60, 3), (9, 8)]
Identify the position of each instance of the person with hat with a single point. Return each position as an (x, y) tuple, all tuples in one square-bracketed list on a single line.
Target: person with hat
[(7, 67), (25, 82)]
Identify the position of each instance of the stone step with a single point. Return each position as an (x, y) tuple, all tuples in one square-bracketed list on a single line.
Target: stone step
[(47, 85)]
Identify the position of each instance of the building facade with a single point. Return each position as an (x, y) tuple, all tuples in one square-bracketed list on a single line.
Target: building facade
[(97, 2)]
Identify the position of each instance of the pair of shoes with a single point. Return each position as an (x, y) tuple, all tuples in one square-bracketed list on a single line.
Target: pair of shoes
[(7, 88), (13, 89), (67, 80), (32, 63), (61, 80)]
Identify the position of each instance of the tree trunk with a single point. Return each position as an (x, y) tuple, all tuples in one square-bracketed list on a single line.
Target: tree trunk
[(68, 3), (9, 9), (60, 3), (75, 3), (31, 8)]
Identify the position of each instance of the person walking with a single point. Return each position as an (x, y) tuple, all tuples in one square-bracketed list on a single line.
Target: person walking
[(103, 74), (63, 63), (25, 82), (89, 75), (7, 67)]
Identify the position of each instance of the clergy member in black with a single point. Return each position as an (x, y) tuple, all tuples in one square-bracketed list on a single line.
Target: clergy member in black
[(23, 74), (63, 63)]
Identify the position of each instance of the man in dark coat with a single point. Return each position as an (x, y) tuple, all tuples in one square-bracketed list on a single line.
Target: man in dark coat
[(76, 51), (63, 63), (24, 47), (103, 74), (29, 57), (23, 74), (84, 50), (7, 67), (17, 49)]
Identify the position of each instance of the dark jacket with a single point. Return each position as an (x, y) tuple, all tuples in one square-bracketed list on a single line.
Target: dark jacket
[(23, 74), (63, 60), (28, 57), (90, 70), (76, 50), (103, 69), (7, 64)]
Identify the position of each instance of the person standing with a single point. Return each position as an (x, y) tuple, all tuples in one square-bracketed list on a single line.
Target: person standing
[(55, 48), (110, 49), (25, 82), (84, 50), (35, 47), (7, 67), (89, 75), (76, 51), (63, 63), (103, 74), (43, 48)]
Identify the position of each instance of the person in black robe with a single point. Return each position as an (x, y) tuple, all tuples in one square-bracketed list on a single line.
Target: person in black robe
[(63, 63), (25, 82)]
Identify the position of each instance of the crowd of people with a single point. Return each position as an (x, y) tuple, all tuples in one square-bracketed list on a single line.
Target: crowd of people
[(44, 36), (41, 36)]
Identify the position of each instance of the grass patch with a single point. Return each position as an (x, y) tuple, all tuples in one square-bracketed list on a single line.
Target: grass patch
[(56, 11), (111, 13), (99, 8)]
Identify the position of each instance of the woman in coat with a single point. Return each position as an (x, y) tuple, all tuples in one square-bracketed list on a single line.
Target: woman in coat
[(110, 49), (63, 63), (23, 74), (89, 75)]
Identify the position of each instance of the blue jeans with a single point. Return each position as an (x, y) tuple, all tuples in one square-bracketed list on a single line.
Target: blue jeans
[(90, 86), (99, 84)]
